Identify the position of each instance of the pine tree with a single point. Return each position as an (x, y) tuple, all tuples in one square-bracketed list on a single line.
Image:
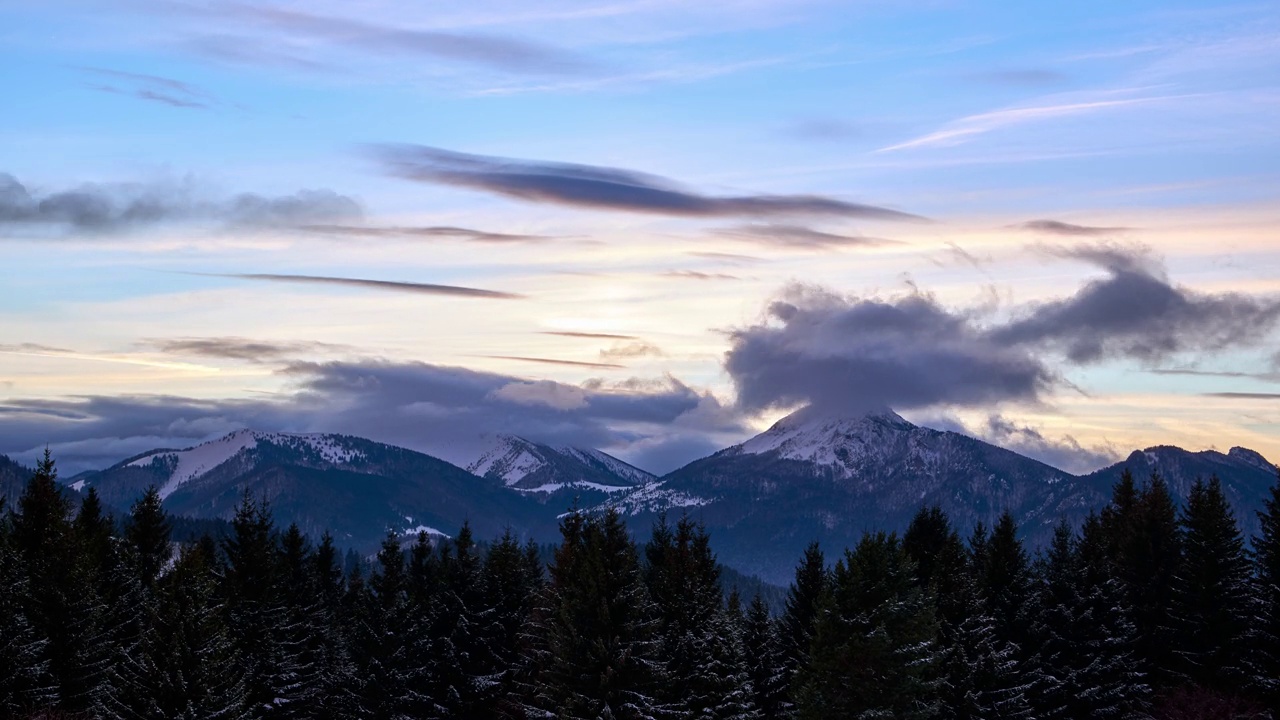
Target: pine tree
[(593, 648), (1212, 601), (510, 585), (255, 610), (1141, 528), (1004, 583), (766, 666), (800, 613), (147, 532), (186, 666), (336, 679), (1080, 639), (1266, 644), (874, 653), (24, 680)]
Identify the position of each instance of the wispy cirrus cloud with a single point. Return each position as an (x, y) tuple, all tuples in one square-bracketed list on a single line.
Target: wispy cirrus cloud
[(603, 188), (153, 88), (556, 361), (593, 335), (245, 349), (390, 285), (427, 232), (309, 33), (799, 236), (1057, 227), (970, 127)]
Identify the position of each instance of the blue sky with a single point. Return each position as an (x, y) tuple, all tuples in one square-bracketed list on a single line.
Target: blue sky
[(168, 162)]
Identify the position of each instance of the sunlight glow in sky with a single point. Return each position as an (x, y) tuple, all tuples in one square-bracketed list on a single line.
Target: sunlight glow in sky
[(584, 222)]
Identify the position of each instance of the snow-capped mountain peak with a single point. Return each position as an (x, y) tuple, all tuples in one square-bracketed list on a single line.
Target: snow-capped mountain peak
[(194, 462), (824, 438), (534, 468)]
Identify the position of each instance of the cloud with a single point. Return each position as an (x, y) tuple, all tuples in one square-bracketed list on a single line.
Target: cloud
[(797, 236), (1136, 313), (543, 392), (626, 351), (576, 334), (238, 348), (289, 28), (971, 126), (554, 361), (394, 286), (153, 88), (697, 275), (824, 129), (1244, 395), (1065, 453), (107, 208), (439, 410), (440, 231), (726, 257), (602, 188), (1057, 227), (860, 354)]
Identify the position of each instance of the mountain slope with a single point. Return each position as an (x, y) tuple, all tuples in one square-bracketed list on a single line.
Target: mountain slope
[(356, 488), (1246, 476), (556, 476), (830, 478)]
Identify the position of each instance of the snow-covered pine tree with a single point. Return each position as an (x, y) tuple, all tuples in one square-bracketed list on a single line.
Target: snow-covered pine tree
[(300, 645), (592, 639), (766, 666), (1141, 528), (1080, 639), (874, 652), (24, 680), (147, 532), (1266, 636), (390, 665), (706, 675), (1004, 583), (510, 585), (1212, 600), (333, 654), (185, 666), (800, 614)]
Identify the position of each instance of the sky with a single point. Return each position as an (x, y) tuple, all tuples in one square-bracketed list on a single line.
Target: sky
[(645, 226)]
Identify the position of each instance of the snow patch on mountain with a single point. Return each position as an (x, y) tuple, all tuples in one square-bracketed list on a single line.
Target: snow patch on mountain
[(196, 461), (826, 440), (533, 468)]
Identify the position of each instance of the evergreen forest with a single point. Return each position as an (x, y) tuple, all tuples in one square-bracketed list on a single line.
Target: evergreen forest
[(1146, 610)]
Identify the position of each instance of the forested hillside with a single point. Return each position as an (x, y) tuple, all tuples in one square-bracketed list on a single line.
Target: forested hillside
[(1145, 610)]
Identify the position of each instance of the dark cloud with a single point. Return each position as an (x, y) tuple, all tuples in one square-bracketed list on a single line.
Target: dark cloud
[(435, 409), (602, 188), (238, 348), (574, 334), (105, 208), (1244, 395), (554, 361), (440, 231), (797, 236), (301, 29), (698, 275), (1136, 313), (394, 286), (631, 350), (153, 88), (1057, 227), (854, 355)]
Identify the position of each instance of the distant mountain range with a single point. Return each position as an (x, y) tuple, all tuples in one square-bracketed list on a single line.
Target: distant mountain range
[(811, 476)]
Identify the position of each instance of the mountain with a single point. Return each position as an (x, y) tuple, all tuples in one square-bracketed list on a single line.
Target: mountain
[(556, 476), (356, 488), (1246, 476), (821, 477), (13, 480)]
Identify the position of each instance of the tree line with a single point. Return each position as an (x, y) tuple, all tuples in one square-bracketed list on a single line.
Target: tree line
[(1145, 610)]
